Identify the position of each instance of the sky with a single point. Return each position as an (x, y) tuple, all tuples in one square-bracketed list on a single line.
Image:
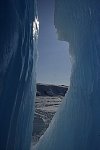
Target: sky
[(54, 65)]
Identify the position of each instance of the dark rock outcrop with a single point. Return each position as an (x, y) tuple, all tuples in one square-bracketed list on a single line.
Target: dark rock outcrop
[(51, 90)]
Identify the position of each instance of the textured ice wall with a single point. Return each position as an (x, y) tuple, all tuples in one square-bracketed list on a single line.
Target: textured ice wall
[(76, 125), (18, 38)]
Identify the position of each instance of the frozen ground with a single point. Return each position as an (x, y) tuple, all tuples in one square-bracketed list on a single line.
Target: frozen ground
[(48, 99), (46, 106)]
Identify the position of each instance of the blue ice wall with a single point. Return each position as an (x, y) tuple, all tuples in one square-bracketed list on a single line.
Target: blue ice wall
[(18, 38), (76, 125)]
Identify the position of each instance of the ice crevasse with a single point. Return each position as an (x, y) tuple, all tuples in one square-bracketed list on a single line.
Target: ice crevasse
[(18, 53), (76, 125)]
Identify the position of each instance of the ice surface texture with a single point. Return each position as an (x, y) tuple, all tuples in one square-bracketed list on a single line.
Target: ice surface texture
[(17, 72), (76, 125)]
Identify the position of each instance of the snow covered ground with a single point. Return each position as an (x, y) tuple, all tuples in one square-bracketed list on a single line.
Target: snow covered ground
[(46, 106), (48, 99)]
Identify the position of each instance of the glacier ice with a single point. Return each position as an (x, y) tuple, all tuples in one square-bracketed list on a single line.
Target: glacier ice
[(76, 125), (18, 54)]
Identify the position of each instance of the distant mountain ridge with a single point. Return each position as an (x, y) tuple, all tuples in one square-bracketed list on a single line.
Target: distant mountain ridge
[(51, 90)]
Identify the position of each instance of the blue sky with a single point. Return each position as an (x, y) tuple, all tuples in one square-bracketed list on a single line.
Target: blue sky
[(54, 65)]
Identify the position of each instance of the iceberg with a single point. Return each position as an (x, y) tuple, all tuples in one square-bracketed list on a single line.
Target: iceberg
[(76, 125), (18, 55)]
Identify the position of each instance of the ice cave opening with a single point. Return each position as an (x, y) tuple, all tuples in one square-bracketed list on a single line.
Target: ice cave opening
[(76, 125), (53, 70)]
